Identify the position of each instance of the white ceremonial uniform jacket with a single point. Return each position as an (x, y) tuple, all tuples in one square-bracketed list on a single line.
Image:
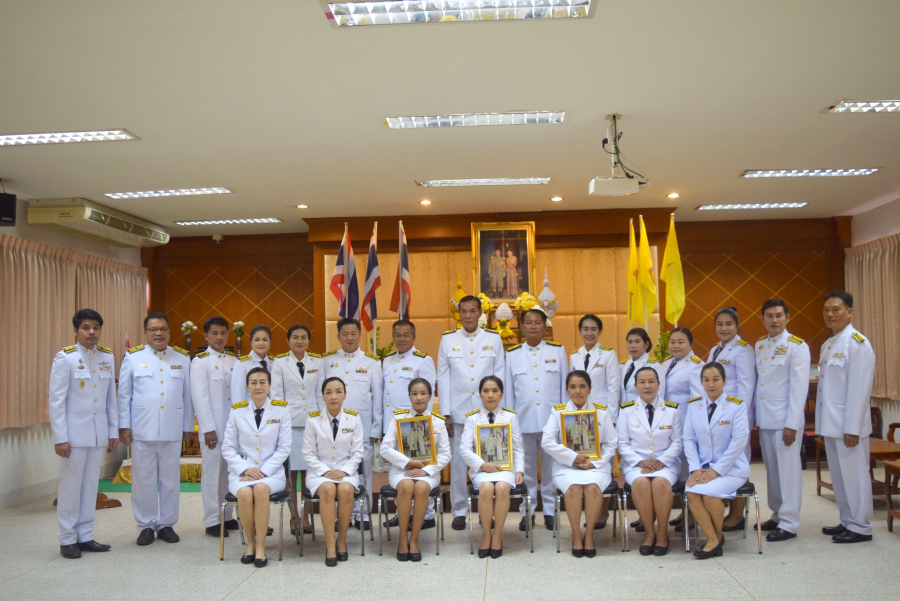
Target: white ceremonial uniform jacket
[(463, 360), (467, 443), (782, 383), (717, 443), (211, 389), (302, 394), (324, 453), (398, 461), (639, 439), (361, 374), (627, 391), (155, 393), (239, 374), (603, 368), (265, 447), (399, 369), (683, 382), (82, 397), (564, 457), (846, 373), (535, 380), (740, 373)]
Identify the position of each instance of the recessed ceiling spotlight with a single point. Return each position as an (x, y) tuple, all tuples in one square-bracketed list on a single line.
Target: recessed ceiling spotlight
[(160, 193), (495, 181), (674, 195), (230, 221), (751, 173), (302, 206), (866, 106), (425, 202), (769, 205), (556, 199), (105, 135), (387, 12), (477, 119)]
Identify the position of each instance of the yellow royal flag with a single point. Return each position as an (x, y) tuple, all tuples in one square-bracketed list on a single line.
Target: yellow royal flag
[(645, 269), (635, 295), (673, 276)]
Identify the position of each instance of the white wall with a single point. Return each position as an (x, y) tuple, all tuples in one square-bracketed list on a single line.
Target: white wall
[(878, 223), (29, 466)]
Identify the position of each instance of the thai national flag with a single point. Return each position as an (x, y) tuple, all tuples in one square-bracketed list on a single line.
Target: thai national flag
[(373, 282), (402, 291), (343, 281)]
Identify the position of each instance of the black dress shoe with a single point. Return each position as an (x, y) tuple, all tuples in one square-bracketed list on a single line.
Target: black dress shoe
[(577, 552), (261, 563), (93, 546), (523, 524), (646, 549), (495, 553), (331, 561), (71, 551), (426, 524), (415, 557), (343, 556), (635, 523), (459, 523), (215, 530), (716, 552), (779, 534), (270, 531), (639, 528), (232, 525), (675, 522), (599, 525), (549, 522), (851, 537), (306, 530), (660, 551), (248, 559), (834, 530), (735, 528), (365, 525), (767, 525), (145, 537), (167, 534), (402, 556), (482, 553), (394, 522), (590, 552)]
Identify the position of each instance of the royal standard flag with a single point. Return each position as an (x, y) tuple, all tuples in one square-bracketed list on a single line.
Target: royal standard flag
[(635, 296), (673, 276), (645, 269)]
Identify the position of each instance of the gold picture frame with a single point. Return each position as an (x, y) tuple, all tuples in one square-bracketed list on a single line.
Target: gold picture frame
[(493, 443), (503, 259), (574, 437), (415, 439)]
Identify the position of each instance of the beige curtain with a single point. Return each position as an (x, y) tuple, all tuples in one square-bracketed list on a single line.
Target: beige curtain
[(872, 273), (36, 300)]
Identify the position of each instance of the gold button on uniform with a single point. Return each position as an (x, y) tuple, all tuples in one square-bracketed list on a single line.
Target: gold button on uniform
[(161, 382), (161, 406), (95, 413)]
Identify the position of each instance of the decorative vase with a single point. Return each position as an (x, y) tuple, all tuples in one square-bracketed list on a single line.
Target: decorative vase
[(187, 342), (237, 345)]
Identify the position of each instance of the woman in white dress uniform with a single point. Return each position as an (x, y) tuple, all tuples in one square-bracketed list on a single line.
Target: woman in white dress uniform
[(333, 448), (639, 346), (737, 357), (412, 477), (715, 434), (492, 483), (578, 477), (260, 342), (257, 442), (649, 442)]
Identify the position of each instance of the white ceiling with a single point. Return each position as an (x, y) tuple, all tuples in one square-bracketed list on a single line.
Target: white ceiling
[(271, 100)]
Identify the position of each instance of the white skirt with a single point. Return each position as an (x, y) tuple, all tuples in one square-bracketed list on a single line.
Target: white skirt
[(722, 487), (297, 461), (573, 475), (276, 483), (505, 476), (313, 482), (665, 472), (395, 478)]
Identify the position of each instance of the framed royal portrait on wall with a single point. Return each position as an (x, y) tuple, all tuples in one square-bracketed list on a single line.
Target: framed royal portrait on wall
[(415, 439), (493, 443), (578, 432), (503, 259)]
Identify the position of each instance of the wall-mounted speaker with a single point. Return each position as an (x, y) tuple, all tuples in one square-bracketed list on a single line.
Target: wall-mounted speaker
[(7, 209)]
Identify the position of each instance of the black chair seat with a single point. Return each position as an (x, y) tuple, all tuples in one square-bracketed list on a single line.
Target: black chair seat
[(279, 496), (677, 489), (520, 489), (612, 489), (746, 489), (308, 495), (230, 498)]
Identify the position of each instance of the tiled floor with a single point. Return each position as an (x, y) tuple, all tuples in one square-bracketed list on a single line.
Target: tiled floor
[(805, 568)]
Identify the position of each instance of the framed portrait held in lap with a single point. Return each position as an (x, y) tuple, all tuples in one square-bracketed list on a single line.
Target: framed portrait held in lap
[(503, 259), (493, 443), (578, 431), (415, 439)]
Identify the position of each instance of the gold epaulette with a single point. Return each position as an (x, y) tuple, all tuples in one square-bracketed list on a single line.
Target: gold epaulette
[(605, 348), (439, 416), (551, 343), (329, 353), (761, 338), (244, 358), (795, 339), (350, 412), (447, 332), (623, 361), (471, 412), (203, 354), (184, 352), (734, 399), (420, 354), (270, 357), (104, 349), (696, 398), (559, 407), (507, 409), (137, 348), (70, 349), (742, 342), (599, 406), (400, 411), (282, 355), (316, 355), (315, 413), (487, 329), (652, 360), (858, 337), (575, 352), (241, 404), (390, 354), (626, 404), (696, 359), (513, 347), (670, 404), (230, 354), (279, 403), (373, 357)]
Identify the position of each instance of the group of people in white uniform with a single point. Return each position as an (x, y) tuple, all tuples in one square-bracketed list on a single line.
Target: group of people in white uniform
[(263, 421)]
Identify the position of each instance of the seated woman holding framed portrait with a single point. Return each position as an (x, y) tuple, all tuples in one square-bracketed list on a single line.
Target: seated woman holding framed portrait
[(257, 442), (716, 431), (333, 449), (649, 443), (417, 456), (581, 439), (491, 445)]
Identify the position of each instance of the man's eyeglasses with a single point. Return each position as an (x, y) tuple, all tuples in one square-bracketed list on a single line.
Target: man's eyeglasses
[(157, 330)]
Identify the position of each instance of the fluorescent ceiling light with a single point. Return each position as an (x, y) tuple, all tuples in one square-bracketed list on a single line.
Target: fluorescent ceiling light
[(856, 106), (806, 172), (348, 14), (496, 181), (230, 221), (768, 205), (108, 135), (158, 193), (476, 119)]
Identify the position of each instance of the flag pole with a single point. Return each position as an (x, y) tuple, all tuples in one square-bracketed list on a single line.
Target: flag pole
[(375, 321), (672, 221), (630, 316), (400, 268), (647, 242), (345, 303)]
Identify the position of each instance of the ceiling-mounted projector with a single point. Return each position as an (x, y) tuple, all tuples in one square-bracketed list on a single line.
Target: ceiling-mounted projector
[(613, 186), (623, 181)]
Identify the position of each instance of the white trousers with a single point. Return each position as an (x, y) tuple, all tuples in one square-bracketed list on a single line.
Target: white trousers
[(852, 483), (76, 501), (458, 475), (368, 454), (155, 483), (214, 483), (784, 477), (532, 443)]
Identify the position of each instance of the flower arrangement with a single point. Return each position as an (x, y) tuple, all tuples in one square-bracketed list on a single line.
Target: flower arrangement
[(662, 348), (524, 302), (486, 304), (188, 327), (238, 328), (380, 351)]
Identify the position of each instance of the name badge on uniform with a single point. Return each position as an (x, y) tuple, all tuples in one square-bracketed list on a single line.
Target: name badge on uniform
[(104, 368), (347, 430), (725, 423), (361, 370), (175, 366), (780, 350), (549, 360), (406, 369), (273, 421), (724, 361), (312, 371), (665, 427), (839, 355), (488, 347)]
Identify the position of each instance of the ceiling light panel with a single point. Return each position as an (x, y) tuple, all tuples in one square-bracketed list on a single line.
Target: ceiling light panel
[(350, 14), (874, 106), (108, 135), (159, 193), (496, 181), (230, 221), (768, 205), (477, 119), (806, 172)]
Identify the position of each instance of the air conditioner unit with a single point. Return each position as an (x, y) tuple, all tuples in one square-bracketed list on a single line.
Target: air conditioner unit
[(85, 219)]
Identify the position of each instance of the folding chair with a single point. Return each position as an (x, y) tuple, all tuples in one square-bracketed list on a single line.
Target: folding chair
[(612, 491), (517, 492), (390, 494), (677, 490), (359, 497), (745, 491)]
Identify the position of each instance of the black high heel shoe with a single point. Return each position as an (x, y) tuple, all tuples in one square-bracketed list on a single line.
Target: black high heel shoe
[(402, 556), (248, 559), (495, 553), (716, 552), (647, 549), (577, 552), (261, 563), (588, 552), (482, 553), (330, 561), (415, 557)]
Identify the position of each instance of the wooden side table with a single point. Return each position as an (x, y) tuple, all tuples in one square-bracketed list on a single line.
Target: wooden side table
[(891, 478), (880, 450)]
